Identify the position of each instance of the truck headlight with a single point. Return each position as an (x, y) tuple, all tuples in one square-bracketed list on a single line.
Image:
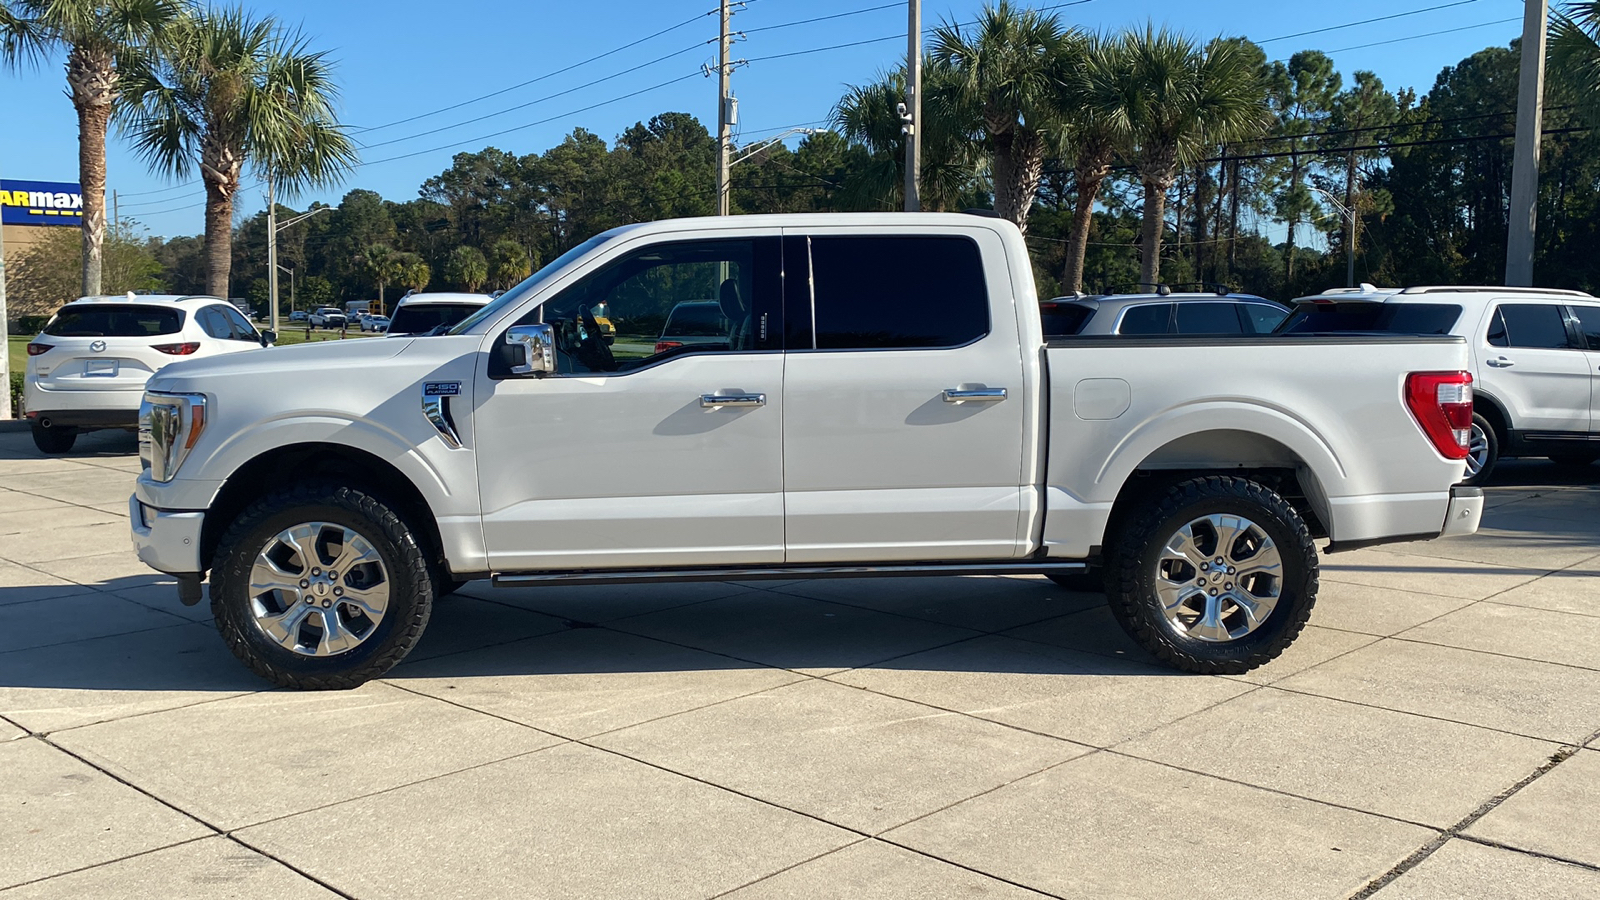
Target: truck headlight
[(169, 426)]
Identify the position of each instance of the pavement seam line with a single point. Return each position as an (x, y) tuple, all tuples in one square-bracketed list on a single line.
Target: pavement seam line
[(1417, 715), (788, 868), (1499, 845), (109, 862), (1565, 753)]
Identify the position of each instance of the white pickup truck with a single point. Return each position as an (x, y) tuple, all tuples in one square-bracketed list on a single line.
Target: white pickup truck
[(883, 403)]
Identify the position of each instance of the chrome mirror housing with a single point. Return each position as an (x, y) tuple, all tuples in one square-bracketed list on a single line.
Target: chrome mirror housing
[(536, 346)]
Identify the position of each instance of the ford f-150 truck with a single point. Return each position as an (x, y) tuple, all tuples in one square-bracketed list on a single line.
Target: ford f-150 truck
[(883, 403)]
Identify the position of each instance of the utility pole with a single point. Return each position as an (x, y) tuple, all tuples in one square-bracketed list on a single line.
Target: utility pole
[(272, 256), (116, 217), (6, 411), (724, 108), (912, 114), (1525, 158)]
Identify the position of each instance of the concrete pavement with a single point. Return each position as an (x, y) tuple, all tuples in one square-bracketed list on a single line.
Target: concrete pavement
[(1433, 734)]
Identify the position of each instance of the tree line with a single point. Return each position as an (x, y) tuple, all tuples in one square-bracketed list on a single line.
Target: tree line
[(1139, 156)]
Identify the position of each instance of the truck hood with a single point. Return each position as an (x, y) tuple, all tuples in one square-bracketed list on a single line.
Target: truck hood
[(332, 358)]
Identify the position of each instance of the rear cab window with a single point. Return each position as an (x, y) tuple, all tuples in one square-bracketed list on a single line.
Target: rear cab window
[(1365, 315), (114, 320)]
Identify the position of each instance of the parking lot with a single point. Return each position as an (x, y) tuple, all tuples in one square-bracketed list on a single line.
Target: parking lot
[(1433, 734)]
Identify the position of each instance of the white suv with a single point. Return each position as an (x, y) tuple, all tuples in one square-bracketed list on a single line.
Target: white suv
[(88, 368), (1535, 359)]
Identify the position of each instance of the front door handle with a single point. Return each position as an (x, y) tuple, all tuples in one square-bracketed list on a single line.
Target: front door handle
[(712, 401), (1500, 362)]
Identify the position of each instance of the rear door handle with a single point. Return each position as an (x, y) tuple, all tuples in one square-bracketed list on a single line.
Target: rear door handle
[(1500, 362), (974, 395), (711, 401)]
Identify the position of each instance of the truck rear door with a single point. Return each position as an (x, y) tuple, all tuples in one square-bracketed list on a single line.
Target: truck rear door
[(904, 398)]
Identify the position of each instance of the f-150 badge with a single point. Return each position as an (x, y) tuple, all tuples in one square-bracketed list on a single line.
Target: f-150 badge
[(441, 388)]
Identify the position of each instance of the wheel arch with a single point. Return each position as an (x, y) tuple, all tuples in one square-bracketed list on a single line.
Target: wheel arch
[(1495, 413), (353, 466)]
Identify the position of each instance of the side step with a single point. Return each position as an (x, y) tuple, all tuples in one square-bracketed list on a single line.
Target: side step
[(759, 573)]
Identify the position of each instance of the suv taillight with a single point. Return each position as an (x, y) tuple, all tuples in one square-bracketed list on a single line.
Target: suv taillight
[(36, 349), (183, 349), (1441, 402)]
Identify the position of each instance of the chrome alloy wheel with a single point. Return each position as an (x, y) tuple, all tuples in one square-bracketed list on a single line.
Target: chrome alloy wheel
[(1218, 578), (1477, 450), (318, 589)]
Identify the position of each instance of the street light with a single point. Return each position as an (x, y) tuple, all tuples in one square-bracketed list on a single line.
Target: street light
[(273, 227), (752, 149), (1349, 215), (291, 285)]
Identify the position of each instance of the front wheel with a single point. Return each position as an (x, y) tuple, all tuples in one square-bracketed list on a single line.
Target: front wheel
[(320, 586), (1219, 577)]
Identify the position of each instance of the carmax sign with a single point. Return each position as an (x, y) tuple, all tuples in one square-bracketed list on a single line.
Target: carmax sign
[(40, 203)]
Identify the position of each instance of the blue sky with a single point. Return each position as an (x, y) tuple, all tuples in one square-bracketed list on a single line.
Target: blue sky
[(402, 58)]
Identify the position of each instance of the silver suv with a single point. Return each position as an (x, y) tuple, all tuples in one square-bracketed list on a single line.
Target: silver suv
[(1161, 312)]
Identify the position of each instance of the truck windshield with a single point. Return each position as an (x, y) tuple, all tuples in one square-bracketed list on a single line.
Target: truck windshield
[(106, 320), (1365, 315), (519, 293)]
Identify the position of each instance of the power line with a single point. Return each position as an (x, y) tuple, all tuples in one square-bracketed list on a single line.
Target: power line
[(1415, 37), (898, 37), (853, 12), (1398, 15)]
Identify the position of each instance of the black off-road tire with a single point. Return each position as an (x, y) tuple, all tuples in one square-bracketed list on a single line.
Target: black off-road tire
[(1492, 459), (1138, 547), (54, 440), (410, 597)]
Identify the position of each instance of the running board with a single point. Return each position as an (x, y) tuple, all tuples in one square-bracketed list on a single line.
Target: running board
[(878, 570)]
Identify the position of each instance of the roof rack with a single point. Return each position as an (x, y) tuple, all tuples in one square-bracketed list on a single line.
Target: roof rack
[(1162, 289), (1492, 289)]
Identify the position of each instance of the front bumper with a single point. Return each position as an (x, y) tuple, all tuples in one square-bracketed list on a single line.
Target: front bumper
[(1464, 513), (166, 541)]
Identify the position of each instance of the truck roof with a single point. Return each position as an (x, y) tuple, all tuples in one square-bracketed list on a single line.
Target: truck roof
[(813, 220)]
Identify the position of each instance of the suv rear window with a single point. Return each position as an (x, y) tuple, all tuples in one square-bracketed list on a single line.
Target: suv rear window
[(111, 320), (1395, 318), (415, 318)]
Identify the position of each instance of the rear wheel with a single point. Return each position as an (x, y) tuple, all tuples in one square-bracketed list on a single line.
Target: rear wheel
[(1219, 577), (54, 439), (320, 586), (1483, 451)]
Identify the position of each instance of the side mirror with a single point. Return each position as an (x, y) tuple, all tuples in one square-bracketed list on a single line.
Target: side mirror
[(535, 345), (268, 338)]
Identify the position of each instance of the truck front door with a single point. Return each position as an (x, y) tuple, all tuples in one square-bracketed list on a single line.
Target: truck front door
[(643, 450), (904, 398)]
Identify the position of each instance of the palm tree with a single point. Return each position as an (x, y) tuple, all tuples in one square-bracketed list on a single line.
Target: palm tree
[(412, 271), (509, 263), (1007, 71), (1174, 99), (227, 90), (1575, 53), (1093, 135), (383, 266), (865, 116), (467, 267), (97, 35)]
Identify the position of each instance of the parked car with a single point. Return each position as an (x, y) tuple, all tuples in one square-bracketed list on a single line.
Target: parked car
[(328, 317), (422, 313), (299, 315), (1162, 312), (371, 322), (1535, 359), (932, 430), (87, 369), (693, 322)]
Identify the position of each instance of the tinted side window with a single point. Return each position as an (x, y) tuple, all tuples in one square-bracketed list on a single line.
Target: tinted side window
[(1060, 319), (214, 323), (1589, 322), (1540, 325), (1260, 318), (1207, 318), (1151, 318), (664, 300), (242, 329), (881, 293)]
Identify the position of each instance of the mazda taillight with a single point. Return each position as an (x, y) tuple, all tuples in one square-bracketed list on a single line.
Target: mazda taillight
[(36, 349), (664, 346), (183, 349), (1441, 402)]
